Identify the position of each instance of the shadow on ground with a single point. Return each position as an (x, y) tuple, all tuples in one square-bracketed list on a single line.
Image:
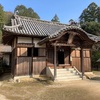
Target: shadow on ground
[(44, 80), (96, 78), (5, 77)]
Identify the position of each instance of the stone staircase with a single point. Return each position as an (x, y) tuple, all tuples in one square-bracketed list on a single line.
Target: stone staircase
[(66, 74)]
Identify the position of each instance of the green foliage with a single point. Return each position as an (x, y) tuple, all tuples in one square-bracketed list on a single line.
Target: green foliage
[(91, 27), (7, 17), (90, 19), (89, 14), (90, 22), (1, 16), (55, 19), (95, 57), (0, 36), (23, 11)]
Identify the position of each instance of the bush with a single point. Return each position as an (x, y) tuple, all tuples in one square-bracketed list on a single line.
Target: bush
[(95, 57)]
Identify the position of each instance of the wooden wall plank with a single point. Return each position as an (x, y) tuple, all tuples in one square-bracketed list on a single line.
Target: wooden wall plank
[(39, 65), (23, 66)]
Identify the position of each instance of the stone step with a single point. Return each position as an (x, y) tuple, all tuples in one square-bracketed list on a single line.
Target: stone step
[(66, 74), (70, 69), (72, 79), (59, 70), (68, 77)]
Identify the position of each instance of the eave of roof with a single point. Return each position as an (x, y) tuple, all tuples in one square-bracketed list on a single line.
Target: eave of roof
[(34, 27), (67, 28)]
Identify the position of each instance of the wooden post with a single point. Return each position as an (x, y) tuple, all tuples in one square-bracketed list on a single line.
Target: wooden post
[(55, 61), (32, 58), (70, 56), (82, 63), (15, 57)]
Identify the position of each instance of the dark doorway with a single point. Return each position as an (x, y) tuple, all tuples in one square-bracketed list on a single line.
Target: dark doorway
[(60, 57)]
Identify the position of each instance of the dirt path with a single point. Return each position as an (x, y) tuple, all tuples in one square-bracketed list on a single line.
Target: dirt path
[(2, 97), (73, 90), (41, 90)]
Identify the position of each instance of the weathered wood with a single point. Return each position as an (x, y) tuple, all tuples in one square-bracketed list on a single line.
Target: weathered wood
[(39, 65), (50, 57), (25, 45), (63, 44), (21, 51), (31, 72), (67, 55), (23, 66), (55, 62), (70, 39), (87, 60), (76, 60), (82, 62)]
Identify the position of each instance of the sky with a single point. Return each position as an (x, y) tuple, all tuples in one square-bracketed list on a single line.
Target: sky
[(46, 9)]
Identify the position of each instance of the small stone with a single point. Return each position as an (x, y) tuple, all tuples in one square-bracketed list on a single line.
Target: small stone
[(18, 80)]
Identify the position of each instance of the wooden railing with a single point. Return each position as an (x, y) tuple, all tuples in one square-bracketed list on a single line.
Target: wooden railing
[(79, 73)]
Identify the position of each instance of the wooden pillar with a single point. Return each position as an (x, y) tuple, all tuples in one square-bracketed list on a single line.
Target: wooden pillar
[(32, 58), (15, 58), (70, 56), (82, 62), (55, 61)]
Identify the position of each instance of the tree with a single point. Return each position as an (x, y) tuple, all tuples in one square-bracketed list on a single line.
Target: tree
[(89, 14), (7, 17), (23, 11), (98, 14), (91, 27), (90, 19), (55, 19), (95, 57), (1, 16)]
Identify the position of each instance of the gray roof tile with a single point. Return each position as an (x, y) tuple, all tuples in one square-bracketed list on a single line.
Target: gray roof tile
[(35, 27), (31, 26)]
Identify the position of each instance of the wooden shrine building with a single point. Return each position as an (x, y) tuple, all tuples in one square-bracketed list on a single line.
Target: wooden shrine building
[(38, 44)]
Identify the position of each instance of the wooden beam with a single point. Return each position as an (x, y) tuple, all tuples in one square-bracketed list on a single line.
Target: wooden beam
[(58, 36), (55, 61), (82, 62), (70, 39), (25, 44), (32, 59), (62, 44)]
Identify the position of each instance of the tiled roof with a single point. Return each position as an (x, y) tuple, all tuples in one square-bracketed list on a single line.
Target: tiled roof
[(31, 26), (34, 27)]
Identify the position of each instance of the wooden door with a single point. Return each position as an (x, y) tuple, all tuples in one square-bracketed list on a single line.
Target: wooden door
[(67, 55)]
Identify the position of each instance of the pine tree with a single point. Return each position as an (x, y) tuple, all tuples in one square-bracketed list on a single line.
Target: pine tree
[(55, 19)]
